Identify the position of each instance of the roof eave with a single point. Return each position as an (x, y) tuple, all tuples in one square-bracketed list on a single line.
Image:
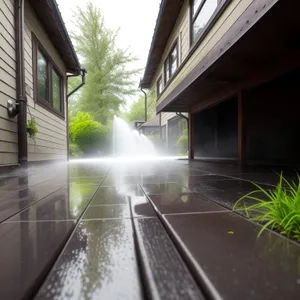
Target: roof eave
[(49, 16), (167, 17)]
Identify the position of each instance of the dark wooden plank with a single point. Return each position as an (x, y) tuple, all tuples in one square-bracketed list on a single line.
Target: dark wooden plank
[(166, 276)]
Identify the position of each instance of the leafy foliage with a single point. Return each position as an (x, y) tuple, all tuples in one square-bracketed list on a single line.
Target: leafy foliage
[(90, 136), (32, 128), (74, 150), (109, 78), (280, 210), (73, 101), (183, 142), (137, 110)]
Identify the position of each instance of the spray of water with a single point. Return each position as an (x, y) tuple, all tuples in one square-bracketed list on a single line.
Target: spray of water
[(130, 143)]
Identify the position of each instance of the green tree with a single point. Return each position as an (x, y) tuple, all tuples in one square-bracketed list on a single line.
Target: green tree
[(137, 110), (73, 101), (183, 142), (110, 80), (90, 136)]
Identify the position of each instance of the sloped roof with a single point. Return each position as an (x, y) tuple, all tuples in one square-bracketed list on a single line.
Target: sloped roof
[(167, 16), (49, 16), (151, 123)]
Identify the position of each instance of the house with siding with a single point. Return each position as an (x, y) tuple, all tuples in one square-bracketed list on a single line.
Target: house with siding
[(36, 58), (234, 67)]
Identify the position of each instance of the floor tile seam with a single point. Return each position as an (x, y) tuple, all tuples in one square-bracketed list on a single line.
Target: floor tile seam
[(137, 251), (117, 204), (31, 204), (212, 200), (106, 219), (19, 188), (144, 275), (40, 221), (213, 295), (237, 212), (85, 177), (198, 273), (243, 179), (68, 238), (197, 213)]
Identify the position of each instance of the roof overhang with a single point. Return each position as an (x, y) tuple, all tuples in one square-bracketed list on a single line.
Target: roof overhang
[(167, 17), (49, 16), (152, 123), (262, 44)]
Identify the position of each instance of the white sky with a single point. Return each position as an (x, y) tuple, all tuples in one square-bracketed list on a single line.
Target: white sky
[(135, 18)]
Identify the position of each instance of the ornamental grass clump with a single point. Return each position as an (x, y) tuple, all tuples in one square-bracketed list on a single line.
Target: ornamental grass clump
[(277, 209)]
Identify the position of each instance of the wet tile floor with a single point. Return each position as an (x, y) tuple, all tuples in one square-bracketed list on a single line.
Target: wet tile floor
[(147, 230)]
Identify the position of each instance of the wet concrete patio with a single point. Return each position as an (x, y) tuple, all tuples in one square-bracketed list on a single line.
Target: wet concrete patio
[(160, 229)]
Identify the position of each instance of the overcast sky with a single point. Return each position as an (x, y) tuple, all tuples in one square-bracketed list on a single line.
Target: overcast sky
[(135, 18)]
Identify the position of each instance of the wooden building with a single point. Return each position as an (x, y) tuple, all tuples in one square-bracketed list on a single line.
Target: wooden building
[(234, 66), (36, 54)]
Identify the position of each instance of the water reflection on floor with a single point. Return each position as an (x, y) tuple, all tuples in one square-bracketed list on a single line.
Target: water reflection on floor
[(101, 228)]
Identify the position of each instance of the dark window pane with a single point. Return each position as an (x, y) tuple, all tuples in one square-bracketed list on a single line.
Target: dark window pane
[(167, 70), (196, 6), (56, 90), (159, 86), (204, 15), (174, 60), (42, 77)]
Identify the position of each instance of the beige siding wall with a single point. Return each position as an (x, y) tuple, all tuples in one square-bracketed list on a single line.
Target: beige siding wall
[(50, 142), (184, 38), (8, 127), (223, 24), (165, 117), (182, 33)]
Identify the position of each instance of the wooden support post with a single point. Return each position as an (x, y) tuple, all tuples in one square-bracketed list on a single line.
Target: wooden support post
[(191, 135), (241, 130)]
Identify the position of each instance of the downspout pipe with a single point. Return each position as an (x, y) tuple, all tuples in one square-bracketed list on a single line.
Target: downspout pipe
[(182, 116), (20, 107), (82, 73), (83, 78), (145, 103)]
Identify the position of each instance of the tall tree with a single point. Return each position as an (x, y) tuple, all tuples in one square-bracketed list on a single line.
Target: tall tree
[(110, 79), (137, 110), (73, 101)]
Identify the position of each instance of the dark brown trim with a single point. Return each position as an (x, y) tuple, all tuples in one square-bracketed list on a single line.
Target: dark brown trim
[(250, 16), (51, 65), (214, 18)]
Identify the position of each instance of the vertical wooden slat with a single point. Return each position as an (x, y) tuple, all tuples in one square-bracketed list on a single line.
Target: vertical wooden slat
[(191, 134), (241, 130)]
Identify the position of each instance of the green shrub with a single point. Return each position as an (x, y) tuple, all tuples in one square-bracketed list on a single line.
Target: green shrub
[(74, 150), (280, 210), (183, 142), (32, 127), (90, 136)]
